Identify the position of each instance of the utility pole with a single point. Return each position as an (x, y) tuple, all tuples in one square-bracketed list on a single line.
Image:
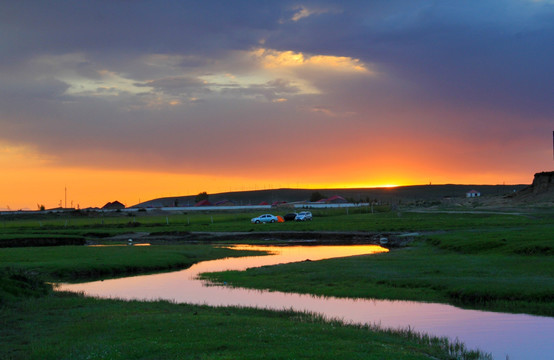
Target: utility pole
[(65, 203)]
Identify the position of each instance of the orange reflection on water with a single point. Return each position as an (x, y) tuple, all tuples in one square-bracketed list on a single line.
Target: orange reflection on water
[(316, 252), (519, 336)]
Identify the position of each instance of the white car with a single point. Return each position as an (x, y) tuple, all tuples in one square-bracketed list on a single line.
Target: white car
[(266, 218), (303, 216)]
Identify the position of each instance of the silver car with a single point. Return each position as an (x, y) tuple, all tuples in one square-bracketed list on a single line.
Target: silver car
[(303, 216), (265, 218)]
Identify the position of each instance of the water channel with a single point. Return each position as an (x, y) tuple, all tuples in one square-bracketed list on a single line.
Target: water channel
[(513, 336)]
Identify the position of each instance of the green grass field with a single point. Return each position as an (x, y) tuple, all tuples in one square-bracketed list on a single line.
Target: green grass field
[(41, 324), (510, 283), (93, 227), (71, 327), (80, 263), (486, 260), (483, 261)]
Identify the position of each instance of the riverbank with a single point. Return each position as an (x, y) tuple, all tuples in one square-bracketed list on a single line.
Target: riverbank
[(203, 227), (86, 263), (421, 272), (41, 324), (490, 261), (454, 249), (499, 267), (393, 239), (69, 326)]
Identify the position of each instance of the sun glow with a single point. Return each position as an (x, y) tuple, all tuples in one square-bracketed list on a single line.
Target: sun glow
[(33, 179)]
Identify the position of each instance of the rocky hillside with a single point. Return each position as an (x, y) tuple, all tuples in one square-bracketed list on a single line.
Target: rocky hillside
[(541, 190)]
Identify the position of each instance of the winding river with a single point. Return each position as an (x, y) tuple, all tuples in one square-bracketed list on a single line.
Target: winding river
[(513, 336)]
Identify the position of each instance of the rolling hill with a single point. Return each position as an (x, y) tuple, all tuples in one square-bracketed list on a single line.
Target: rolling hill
[(401, 194)]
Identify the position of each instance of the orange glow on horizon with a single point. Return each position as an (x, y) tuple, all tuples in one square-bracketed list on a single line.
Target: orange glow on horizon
[(34, 180), (30, 187), (94, 188), (389, 186)]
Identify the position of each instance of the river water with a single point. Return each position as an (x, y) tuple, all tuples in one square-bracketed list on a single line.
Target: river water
[(513, 336)]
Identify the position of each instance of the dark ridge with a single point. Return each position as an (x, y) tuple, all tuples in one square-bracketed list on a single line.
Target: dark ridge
[(389, 195)]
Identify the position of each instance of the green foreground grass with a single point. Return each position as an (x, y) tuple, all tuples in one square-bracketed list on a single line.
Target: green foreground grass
[(84, 226), (40, 324), (81, 263), (489, 261), (64, 326)]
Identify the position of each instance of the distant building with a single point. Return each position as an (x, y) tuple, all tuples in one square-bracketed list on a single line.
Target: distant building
[(473, 193), (336, 199), (224, 203), (116, 205), (203, 203)]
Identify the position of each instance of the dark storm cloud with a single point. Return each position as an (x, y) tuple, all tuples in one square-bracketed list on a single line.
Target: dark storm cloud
[(479, 52), (136, 27), (116, 75), (485, 53)]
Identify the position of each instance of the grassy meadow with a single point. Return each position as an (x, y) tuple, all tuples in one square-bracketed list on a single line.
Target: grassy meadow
[(500, 262), (422, 272), (483, 261), (93, 226), (81, 263), (63, 326)]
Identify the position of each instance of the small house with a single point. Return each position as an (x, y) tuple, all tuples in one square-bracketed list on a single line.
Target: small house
[(336, 200), (116, 205), (203, 203)]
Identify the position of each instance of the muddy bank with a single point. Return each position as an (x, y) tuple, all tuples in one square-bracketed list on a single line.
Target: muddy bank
[(288, 237), (41, 241)]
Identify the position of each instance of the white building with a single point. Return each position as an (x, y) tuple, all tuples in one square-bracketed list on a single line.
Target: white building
[(473, 193)]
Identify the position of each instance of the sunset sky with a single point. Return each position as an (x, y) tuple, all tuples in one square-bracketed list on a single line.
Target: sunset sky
[(133, 100)]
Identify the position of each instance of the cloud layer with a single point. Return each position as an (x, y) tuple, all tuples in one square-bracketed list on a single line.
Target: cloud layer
[(259, 89)]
